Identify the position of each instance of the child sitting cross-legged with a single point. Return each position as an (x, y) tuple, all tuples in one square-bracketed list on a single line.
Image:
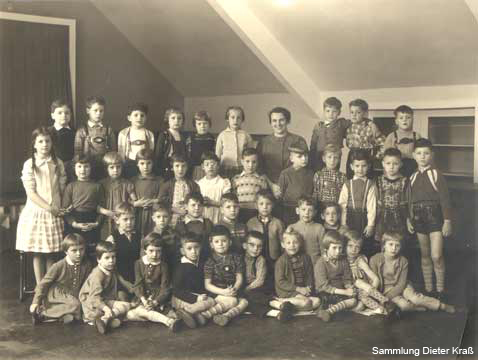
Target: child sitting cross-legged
[(294, 278), (223, 278), (333, 278), (392, 272)]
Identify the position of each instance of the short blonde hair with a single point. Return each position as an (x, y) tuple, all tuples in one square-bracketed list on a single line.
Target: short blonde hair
[(112, 158)]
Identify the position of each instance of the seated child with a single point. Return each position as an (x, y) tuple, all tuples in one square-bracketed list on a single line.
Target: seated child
[(358, 201), (56, 296), (146, 186), (333, 278), (134, 138), (117, 190), (199, 143), (195, 222), (365, 280), (189, 296), (295, 181), (229, 219), (223, 278), (294, 278), (212, 186), (174, 191), (271, 228), (311, 232), (127, 242), (331, 216), (99, 294), (329, 181), (392, 272), (152, 285)]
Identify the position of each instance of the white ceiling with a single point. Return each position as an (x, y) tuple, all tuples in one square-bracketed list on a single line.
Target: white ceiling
[(340, 44)]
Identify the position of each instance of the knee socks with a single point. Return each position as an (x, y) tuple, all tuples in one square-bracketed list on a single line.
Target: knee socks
[(427, 269), (215, 310), (342, 305), (236, 310), (439, 267)]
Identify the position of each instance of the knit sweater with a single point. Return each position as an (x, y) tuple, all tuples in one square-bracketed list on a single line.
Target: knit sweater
[(274, 229), (285, 283), (377, 264), (331, 275), (188, 281)]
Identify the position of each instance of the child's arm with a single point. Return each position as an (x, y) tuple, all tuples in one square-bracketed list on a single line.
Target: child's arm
[(444, 204), (402, 280), (343, 200), (219, 146), (238, 283), (165, 286), (378, 139), (282, 184), (122, 143), (371, 210), (389, 141), (80, 137), (217, 290), (261, 272), (363, 265), (313, 147), (317, 187), (280, 279), (42, 288), (112, 140)]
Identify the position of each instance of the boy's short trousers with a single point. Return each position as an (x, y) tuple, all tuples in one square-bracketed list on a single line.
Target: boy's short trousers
[(427, 217), (327, 299)]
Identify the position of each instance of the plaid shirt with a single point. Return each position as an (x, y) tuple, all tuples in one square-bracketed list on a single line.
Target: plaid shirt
[(365, 135), (327, 185), (222, 270)]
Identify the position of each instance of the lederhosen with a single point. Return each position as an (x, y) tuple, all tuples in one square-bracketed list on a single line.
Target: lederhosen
[(96, 146), (129, 168)]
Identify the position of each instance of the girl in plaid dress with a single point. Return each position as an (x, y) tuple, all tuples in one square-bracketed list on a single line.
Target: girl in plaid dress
[(40, 226)]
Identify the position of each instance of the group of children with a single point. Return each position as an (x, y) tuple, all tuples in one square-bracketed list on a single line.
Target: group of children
[(187, 230)]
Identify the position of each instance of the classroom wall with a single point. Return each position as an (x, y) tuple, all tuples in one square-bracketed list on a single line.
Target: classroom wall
[(107, 64)]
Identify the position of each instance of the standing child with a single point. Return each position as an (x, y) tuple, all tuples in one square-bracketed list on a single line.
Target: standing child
[(331, 130), (392, 272), (94, 139), (56, 296), (248, 183), (404, 139), (152, 285), (170, 142), (333, 278), (295, 181), (229, 219), (199, 143), (146, 186), (223, 278), (311, 232), (134, 138), (358, 200), (232, 141), (86, 199), (40, 226), (329, 181), (294, 278), (117, 190), (174, 191), (63, 135), (212, 186), (99, 294), (331, 216), (189, 296), (431, 215)]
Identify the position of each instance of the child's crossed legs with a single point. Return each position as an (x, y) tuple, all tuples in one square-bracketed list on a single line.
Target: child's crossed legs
[(300, 302)]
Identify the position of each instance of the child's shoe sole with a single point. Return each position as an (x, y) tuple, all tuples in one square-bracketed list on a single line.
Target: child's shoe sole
[(220, 320), (115, 323), (323, 315), (100, 325), (187, 318), (68, 319), (201, 320), (175, 325), (284, 316)]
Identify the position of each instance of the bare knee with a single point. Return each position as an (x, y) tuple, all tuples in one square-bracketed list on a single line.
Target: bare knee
[(437, 259)]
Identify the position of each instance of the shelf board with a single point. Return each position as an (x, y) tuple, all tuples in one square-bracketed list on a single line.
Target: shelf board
[(454, 145), (458, 174)]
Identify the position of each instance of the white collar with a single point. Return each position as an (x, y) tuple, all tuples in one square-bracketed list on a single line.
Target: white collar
[(147, 262), (93, 124), (185, 260), (363, 178), (253, 174), (425, 169), (188, 218), (59, 127), (68, 261), (104, 271), (40, 162)]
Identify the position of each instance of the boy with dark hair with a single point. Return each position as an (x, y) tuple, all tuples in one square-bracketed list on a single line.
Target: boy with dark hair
[(229, 219)]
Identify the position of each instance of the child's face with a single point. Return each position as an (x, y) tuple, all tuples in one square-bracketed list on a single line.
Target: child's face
[(331, 160), (264, 206), (278, 124), (334, 251), (82, 171), (191, 250), (234, 120), (194, 208), (145, 167), (353, 248), (359, 167), (75, 253), (230, 210), (175, 121), (108, 261), (253, 247), (357, 114), (330, 216), (210, 168), (423, 156), (96, 113), (61, 116), (114, 170), (249, 163), (306, 212), (137, 118), (290, 244), (392, 248), (331, 113), (153, 253), (125, 222), (299, 160), (404, 121), (161, 219), (391, 165), (220, 244), (202, 126), (42, 145), (180, 169)]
